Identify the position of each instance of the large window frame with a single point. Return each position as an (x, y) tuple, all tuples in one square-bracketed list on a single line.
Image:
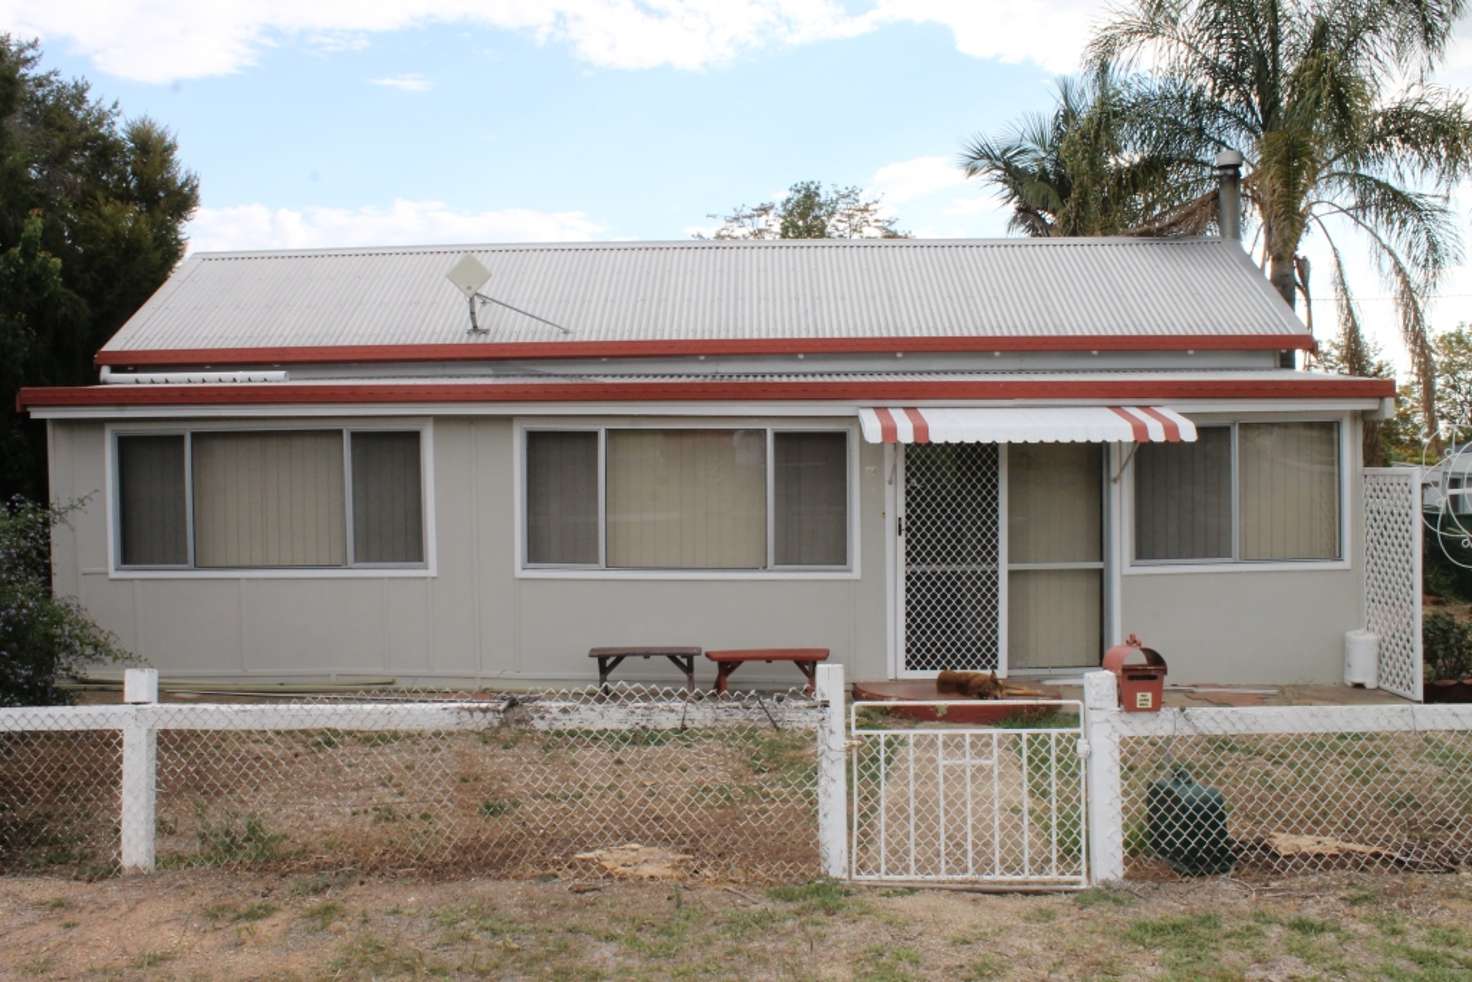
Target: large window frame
[(527, 570), (1135, 566), (347, 427)]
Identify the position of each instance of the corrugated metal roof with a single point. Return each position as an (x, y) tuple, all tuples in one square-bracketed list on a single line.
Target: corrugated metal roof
[(611, 292)]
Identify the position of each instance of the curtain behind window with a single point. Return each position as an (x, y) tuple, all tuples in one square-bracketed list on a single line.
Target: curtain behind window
[(1183, 497), (269, 499), (562, 497), (1289, 490), (810, 484), (151, 501), (388, 507), (686, 499)]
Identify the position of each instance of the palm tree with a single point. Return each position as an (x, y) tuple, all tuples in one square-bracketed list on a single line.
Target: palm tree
[(1072, 171), (1341, 133)]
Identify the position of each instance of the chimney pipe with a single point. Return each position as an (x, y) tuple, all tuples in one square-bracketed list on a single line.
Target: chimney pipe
[(1229, 194)]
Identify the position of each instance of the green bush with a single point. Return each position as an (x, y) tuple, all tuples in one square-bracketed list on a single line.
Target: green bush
[(43, 638), (1447, 644), (1443, 577)]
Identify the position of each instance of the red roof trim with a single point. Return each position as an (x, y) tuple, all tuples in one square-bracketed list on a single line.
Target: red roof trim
[(297, 394), (498, 351)]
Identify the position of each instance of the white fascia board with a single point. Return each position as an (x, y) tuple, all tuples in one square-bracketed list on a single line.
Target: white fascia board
[(746, 408)]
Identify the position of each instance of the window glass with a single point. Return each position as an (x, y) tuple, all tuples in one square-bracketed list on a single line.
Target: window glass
[(269, 499), (388, 508), (1289, 488), (810, 487), (686, 499), (1055, 511), (152, 507), (562, 498), (1183, 497)]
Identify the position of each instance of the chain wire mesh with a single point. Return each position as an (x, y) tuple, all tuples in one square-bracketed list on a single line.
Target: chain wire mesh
[(510, 785), (1361, 789), (952, 548), (59, 798)]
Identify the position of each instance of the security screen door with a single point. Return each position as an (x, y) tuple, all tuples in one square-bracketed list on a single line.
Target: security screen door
[(952, 558), (1001, 557)]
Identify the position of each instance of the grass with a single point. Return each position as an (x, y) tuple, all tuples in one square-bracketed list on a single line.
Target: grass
[(238, 914), (322, 916), (818, 897), (1417, 927)]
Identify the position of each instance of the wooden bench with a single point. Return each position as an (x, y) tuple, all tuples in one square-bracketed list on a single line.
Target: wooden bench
[(806, 660), (610, 658)]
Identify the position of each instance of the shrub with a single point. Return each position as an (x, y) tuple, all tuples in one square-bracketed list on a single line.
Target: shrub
[(1447, 646), (43, 638)]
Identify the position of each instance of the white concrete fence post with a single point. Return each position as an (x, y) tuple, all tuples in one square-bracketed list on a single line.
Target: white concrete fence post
[(832, 772), (1105, 806), (140, 746)]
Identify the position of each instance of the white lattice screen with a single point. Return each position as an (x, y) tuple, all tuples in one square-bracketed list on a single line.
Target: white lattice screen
[(952, 543), (1393, 574)]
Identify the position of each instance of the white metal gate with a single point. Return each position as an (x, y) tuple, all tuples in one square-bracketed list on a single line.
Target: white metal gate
[(953, 557), (981, 804), (1392, 497)]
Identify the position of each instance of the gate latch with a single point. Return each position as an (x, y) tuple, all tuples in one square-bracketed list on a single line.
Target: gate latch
[(1083, 747)]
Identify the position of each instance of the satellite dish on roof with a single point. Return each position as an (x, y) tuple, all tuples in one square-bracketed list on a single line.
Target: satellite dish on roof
[(468, 275)]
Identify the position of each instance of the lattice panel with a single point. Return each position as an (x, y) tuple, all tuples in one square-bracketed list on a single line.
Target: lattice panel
[(952, 556), (1393, 575)]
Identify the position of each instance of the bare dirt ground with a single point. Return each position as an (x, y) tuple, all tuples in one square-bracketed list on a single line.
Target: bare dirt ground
[(208, 924)]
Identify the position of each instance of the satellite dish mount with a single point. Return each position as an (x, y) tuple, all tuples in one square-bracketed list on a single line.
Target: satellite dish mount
[(469, 275)]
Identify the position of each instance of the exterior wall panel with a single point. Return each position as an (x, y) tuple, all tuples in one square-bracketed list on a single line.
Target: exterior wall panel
[(477, 618)]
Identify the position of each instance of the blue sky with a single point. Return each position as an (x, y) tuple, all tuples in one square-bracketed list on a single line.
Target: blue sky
[(361, 122), (493, 121)]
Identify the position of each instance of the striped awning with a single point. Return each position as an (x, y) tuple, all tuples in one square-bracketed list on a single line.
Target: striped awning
[(1012, 424)]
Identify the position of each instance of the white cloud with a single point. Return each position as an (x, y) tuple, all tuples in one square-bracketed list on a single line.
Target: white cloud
[(406, 82), (257, 226), (165, 40), (918, 177)]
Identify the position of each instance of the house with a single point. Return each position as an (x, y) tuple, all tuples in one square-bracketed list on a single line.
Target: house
[(920, 454), (1446, 488)]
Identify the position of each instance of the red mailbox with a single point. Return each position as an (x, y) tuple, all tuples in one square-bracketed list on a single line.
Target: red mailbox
[(1141, 686)]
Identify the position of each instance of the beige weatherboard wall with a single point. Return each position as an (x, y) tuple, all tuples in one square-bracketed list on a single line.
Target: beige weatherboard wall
[(473, 613), (477, 611)]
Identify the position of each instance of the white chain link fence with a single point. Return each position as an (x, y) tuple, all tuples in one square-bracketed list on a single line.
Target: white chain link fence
[(504, 785), (1296, 789)]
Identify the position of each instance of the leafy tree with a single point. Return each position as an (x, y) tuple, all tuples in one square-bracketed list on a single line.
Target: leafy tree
[(43, 639), (1327, 102), (1076, 170), (809, 212), (1454, 379), (1398, 438), (92, 209)]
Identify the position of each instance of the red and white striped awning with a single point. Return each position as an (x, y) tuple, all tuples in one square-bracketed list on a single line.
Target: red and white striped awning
[(1011, 424)]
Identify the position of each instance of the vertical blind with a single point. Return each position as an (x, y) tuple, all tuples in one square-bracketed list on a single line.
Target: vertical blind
[(153, 511), (1289, 490), (1054, 618), (1055, 515), (1286, 480), (269, 499), (687, 499), (562, 498), (388, 506), (810, 485), (1183, 497)]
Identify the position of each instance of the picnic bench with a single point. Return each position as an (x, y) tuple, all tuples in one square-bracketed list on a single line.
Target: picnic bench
[(610, 658), (806, 660)]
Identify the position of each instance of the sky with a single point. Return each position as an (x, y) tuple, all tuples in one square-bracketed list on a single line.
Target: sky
[(367, 122)]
